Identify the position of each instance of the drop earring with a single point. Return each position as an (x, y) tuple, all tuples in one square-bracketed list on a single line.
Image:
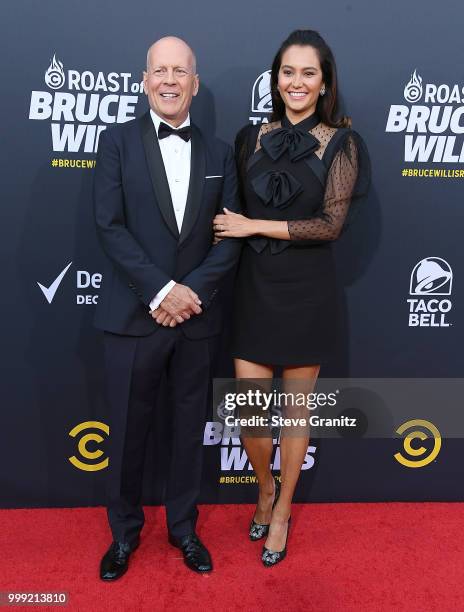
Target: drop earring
[(322, 92)]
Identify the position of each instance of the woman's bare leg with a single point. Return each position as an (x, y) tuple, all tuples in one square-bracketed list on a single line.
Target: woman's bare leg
[(259, 449), (293, 450)]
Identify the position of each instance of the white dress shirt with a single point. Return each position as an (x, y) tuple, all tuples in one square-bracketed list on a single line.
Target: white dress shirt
[(176, 154)]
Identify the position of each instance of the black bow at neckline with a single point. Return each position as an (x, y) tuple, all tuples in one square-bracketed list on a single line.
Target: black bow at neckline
[(292, 138)]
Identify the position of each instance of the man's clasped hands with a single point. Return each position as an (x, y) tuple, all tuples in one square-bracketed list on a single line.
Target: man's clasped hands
[(178, 306)]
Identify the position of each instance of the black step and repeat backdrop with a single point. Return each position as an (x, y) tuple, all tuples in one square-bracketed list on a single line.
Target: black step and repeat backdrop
[(70, 70)]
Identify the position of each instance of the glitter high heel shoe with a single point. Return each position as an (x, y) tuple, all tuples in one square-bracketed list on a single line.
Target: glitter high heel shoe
[(271, 557)]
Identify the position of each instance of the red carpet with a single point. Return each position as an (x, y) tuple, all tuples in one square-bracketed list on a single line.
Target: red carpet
[(398, 556)]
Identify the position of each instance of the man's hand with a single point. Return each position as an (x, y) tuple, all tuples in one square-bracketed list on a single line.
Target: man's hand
[(178, 306), (163, 318)]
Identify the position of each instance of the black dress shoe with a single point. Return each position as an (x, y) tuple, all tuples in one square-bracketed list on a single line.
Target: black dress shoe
[(196, 556), (116, 560), (272, 557)]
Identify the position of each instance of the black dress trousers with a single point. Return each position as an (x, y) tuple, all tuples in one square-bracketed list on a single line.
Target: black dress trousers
[(133, 370)]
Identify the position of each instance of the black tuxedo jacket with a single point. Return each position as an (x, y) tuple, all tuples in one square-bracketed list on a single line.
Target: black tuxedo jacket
[(137, 228)]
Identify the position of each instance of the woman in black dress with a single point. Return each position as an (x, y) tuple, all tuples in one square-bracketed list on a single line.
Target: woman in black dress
[(299, 176)]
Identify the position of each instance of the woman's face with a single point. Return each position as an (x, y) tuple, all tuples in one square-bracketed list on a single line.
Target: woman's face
[(300, 81)]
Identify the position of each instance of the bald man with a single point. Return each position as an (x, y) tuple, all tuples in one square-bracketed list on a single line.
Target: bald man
[(159, 182)]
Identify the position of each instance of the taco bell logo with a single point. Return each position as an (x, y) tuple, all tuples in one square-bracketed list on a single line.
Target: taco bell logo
[(430, 277), (54, 76), (261, 95), (413, 89), (261, 99)]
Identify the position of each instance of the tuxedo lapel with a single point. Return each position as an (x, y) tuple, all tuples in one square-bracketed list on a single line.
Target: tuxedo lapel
[(158, 173), (196, 185)]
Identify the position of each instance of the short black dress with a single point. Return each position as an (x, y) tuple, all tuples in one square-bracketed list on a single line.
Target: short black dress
[(309, 175)]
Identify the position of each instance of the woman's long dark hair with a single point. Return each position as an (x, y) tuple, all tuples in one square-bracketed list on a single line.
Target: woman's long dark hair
[(327, 105)]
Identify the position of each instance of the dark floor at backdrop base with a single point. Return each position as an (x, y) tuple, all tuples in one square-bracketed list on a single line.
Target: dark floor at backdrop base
[(395, 556)]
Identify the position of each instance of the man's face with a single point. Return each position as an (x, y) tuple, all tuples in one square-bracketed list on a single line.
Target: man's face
[(170, 81)]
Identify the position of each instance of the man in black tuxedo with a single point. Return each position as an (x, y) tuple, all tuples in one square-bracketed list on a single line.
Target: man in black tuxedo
[(159, 182)]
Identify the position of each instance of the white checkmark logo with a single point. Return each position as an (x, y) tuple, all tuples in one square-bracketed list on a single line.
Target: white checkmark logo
[(49, 292)]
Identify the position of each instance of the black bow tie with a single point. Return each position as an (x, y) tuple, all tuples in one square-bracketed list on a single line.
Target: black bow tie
[(166, 130)]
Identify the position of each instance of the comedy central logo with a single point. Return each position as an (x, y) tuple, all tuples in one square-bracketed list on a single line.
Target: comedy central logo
[(417, 455), (87, 446), (413, 89), (80, 104), (430, 277), (431, 121), (54, 76), (261, 99)]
